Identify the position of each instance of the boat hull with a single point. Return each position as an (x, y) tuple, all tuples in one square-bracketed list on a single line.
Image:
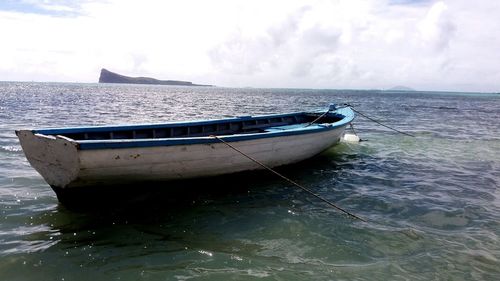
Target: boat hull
[(77, 162), (65, 166)]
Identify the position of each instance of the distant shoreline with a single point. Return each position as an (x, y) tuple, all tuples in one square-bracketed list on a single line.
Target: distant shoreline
[(107, 76), (257, 88), (401, 89)]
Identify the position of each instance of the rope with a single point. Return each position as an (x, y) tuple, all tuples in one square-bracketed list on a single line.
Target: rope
[(371, 119), (314, 121), (288, 180), (354, 132), (352, 128)]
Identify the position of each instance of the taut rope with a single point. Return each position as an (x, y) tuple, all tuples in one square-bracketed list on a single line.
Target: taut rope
[(373, 120), (287, 179)]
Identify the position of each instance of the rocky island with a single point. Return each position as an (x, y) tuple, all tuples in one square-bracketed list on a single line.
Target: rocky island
[(111, 77), (401, 89)]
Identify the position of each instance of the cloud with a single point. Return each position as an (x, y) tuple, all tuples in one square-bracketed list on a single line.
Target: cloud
[(297, 45), (437, 28), (423, 44), (245, 53)]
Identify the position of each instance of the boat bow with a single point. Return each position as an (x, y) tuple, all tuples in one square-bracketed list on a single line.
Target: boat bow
[(54, 157)]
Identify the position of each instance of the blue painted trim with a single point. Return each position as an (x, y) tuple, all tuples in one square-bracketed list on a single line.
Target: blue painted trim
[(107, 144), (289, 130), (96, 129)]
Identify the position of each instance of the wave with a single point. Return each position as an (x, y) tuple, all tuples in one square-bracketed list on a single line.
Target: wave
[(10, 148)]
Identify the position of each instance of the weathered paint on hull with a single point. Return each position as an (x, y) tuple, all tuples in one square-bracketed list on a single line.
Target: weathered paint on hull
[(64, 166)]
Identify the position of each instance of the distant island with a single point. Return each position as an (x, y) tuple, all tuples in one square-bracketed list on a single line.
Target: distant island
[(111, 77), (401, 88)]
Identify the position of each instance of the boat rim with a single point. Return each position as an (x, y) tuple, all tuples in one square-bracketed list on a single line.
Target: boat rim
[(271, 132)]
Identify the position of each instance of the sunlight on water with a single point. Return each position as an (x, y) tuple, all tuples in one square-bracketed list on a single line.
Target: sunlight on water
[(432, 202)]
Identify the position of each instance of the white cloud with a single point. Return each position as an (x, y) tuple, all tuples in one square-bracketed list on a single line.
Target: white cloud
[(450, 45), (437, 29)]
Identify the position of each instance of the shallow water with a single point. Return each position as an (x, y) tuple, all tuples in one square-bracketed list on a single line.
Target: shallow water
[(432, 202)]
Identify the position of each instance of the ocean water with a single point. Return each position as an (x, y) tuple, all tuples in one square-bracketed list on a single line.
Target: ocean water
[(432, 202)]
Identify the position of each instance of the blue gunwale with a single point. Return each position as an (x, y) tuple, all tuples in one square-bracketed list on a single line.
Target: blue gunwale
[(297, 129), (96, 129)]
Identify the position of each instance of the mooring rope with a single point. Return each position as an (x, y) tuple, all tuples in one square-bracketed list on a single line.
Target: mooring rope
[(287, 179), (315, 120), (354, 131), (378, 122)]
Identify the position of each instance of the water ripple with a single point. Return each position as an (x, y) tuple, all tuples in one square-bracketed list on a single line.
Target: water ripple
[(432, 202)]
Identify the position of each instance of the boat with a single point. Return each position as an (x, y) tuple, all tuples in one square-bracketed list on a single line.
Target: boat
[(80, 157)]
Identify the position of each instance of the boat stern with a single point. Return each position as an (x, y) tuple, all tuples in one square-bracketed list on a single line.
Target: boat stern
[(55, 158)]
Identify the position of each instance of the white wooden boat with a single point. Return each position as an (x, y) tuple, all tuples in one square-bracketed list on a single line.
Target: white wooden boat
[(73, 158)]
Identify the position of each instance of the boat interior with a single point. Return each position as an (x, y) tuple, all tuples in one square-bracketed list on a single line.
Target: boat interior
[(240, 125)]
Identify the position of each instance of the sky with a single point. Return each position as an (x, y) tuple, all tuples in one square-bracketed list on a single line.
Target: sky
[(338, 44)]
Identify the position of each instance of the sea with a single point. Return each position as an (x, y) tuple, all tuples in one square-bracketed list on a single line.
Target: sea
[(431, 201)]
